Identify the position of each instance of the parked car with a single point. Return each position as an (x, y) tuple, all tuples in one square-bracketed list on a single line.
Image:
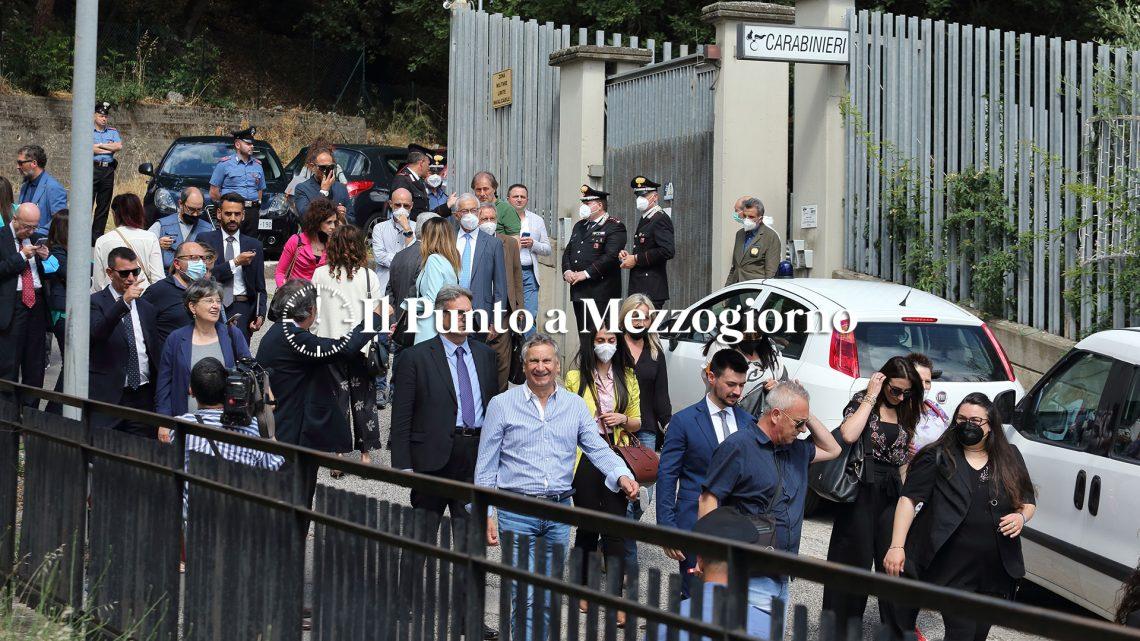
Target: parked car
[(368, 172), (889, 319), (1079, 432), (190, 161)]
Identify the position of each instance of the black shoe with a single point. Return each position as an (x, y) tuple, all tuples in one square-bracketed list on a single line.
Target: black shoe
[(489, 633)]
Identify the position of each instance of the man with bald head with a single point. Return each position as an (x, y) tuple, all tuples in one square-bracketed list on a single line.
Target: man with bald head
[(394, 234), (23, 299), (167, 296)]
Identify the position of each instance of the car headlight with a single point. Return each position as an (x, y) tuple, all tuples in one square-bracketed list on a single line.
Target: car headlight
[(166, 201), (273, 205)]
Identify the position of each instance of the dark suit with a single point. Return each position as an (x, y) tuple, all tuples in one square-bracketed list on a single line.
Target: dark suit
[(402, 274), (653, 246), (171, 388), (22, 329), (110, 351), (685, 456), (594, 249), (424, 415), (254, 303), (488, 270), (404, 179)]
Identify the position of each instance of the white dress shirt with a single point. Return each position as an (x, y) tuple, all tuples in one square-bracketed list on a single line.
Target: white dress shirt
[(31, 262), (239, 280), (718, 424), (140, 341)]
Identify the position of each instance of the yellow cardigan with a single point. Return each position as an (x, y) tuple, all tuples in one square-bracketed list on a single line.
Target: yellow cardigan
[(573, 381)]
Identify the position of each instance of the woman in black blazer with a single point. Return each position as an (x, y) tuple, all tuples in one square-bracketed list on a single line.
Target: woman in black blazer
[(976, 498)]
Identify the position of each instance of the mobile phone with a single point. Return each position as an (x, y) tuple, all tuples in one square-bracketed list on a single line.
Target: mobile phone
[(526, 234), (41, 242), (232, 320)]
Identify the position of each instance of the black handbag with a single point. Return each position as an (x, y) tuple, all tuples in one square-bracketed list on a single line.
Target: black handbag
[(376, 360), (516, 376), (765, 523), (838, 479)]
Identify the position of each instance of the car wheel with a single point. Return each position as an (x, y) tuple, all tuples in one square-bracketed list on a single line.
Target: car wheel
[(370, 224)]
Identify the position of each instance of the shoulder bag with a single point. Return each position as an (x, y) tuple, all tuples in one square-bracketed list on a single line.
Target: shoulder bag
[(376, 360), (765, 523), (293, 259), (838, 479), (142, 260)]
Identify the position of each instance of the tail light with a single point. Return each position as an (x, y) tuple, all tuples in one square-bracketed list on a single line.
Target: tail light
[(1000, 352), (844, 354), (357, 186), (919, 319)]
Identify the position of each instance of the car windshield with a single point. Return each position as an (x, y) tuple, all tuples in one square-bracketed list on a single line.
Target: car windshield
[(962, 353), (353, 163), (196, 160)]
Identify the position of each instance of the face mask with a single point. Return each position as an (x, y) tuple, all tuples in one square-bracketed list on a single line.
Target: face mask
[(605, 351), (469, 222), (195, 269), (968, 434), (642, 203), (189, 220), (488, 227), (434, 180), (768, 220), (584, 211), (399, 211), (748, 224), (736, 218)]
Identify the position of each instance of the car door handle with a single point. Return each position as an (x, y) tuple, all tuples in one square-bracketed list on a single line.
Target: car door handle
[(1079, 491), (1094, 496)]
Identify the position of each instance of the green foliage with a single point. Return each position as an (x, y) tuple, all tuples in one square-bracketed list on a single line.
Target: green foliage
[(406, 122), (1121, 25), (41, 69)]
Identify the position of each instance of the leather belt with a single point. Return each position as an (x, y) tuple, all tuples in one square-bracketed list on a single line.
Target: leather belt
[(557, 498), (242, 299), (467, 431), (100, 163)]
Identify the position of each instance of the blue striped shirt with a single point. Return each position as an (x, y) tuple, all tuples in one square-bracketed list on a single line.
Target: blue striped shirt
[(531, 450)]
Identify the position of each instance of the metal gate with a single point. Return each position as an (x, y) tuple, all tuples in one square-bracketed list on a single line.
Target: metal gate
[(659, 123)]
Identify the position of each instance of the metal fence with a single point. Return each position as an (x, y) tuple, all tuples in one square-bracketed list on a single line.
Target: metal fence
[(101, 520), (974, 163), (659, 123)]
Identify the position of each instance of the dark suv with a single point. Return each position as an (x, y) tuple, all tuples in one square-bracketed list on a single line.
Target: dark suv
[(190, 161), (368, 170)]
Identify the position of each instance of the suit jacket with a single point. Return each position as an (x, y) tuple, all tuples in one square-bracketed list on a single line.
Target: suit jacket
[(759, 260), (309, 190), (685, 456), (653, 246), (512, 270), (306, 386), (594, 249), (109, 347), (406, 180), (488, 271), (12, 264), (253, 274), (426, 403), (402, 274), (171, 392), (49, 195)]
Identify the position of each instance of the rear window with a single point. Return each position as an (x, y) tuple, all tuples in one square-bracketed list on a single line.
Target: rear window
[(962, 353), (352, 163), (198, 159)]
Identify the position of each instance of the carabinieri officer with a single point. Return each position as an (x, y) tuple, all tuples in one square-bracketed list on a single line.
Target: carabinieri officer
[(107, 142), (241, 173), (590, 262), (652, 245)]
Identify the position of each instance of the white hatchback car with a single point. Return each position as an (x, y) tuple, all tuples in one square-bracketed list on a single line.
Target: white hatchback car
[(890, 320), (1079, 432)]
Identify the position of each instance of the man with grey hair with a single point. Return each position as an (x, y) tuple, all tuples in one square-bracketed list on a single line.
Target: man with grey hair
[(756, 252), (528, 446), (411, 177), (762, 471), (482, 267), (184, 225)]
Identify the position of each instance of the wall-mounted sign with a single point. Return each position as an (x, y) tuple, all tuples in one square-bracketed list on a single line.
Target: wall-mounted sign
[(792, 44), (501, 88), (668, 192), (809, 217)]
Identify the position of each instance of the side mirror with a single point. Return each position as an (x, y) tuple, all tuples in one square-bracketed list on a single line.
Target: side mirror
[(146, 169), (673, 341), (1005, 406)]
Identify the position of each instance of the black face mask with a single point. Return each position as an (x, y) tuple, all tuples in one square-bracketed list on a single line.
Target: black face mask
[(969, 434), (189, 220)]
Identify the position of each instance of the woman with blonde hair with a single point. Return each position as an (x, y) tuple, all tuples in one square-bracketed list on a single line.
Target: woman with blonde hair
[(439, 266)]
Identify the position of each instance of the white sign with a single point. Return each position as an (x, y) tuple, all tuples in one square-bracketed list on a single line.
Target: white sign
[(792, 44), (265, 223), (668, 192), (809, 218)]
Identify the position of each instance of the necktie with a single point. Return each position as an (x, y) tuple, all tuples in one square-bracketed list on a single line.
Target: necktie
[(723, 414), (28, 295), (134, 378), (465, 262), (466, 400), (228, 288)]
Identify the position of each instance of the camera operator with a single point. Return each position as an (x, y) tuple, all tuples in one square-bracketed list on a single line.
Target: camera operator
[(208, 387)]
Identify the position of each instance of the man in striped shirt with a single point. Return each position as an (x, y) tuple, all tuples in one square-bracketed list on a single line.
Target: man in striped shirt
[(529, 444)]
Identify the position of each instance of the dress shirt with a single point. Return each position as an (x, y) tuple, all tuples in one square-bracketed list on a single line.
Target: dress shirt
[(140, 341), (523, 449), (387, 241), (459, 240), (718, 427), (476, 391), (239, 280), (229, 451), (31, 262), (526, 258), (604, 393)]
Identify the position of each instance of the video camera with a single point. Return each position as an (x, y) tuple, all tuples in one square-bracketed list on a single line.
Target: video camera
[(245, 396)]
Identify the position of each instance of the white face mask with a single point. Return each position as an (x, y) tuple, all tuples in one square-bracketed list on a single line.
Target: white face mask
[(584, 211), (488, 227), (642, 203), (605, 351), (469, 222), (768, 220), (434, 180), (748, 224), (400, 211)]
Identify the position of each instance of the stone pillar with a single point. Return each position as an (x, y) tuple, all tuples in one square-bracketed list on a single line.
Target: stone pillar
[(750, 131), (820, 145)]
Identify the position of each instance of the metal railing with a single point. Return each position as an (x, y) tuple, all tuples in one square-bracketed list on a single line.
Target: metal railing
[(104, 510)]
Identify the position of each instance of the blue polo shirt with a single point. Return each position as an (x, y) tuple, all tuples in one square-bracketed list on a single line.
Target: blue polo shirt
[(245, 178), (742, 473), (110, 134)]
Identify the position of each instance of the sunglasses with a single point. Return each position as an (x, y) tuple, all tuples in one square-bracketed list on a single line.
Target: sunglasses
[(898, 391), (798, 422), (326, 168), (21, 163), (126, 273)]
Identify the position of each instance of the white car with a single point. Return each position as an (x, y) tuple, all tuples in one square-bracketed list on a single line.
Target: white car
[(1079, 432), (890, 320)]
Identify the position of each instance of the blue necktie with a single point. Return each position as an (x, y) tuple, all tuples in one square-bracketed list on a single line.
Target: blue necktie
[(466, 400), (465, 262), (134, 376)]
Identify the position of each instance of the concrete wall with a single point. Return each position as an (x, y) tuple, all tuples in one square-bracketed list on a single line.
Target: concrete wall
[(1031, 351), (148, 130)]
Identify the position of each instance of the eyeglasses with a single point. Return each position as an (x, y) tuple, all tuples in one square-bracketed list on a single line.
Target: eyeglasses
[(191, 257), (25, 226), (899, 391), (210, 300), (974, 420), (467, 211), (127, 273), (193, 211)]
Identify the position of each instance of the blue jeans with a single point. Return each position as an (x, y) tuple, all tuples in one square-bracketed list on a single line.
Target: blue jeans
[(761, 591), (530, 297), (557, 534), (648, 439)]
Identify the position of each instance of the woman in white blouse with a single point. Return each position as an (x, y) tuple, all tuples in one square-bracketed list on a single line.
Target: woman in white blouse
[(130, 231)]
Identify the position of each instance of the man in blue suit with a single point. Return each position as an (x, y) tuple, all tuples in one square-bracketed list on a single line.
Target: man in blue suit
[(693, 436), (39, 186), (481, 264), (241, 270)]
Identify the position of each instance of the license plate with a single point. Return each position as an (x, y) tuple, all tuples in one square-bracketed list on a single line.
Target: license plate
[(265, 223)]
